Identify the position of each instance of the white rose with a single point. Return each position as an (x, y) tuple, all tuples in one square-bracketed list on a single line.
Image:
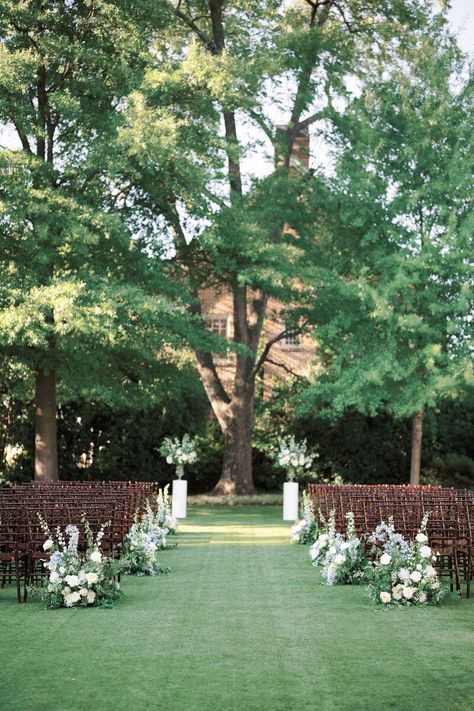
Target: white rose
[(169, 459), (92, 578), (415, 576), (421, 538), (419, 567), (284, 460), (385, 597), (408, 593), (430, 571), (435, 586), (91, 597), (425, 552), (47, 544), (83, 592), (72, 580), (385, 559), (404, 574), (96, 556), (422, 597), (397, 592), (54, 577), (72, 598)]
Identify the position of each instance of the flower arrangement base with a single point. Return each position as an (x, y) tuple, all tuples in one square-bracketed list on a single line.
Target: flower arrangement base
[(290, 501), (179, 494)]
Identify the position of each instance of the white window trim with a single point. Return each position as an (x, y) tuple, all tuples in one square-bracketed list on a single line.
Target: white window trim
[(220, 317)]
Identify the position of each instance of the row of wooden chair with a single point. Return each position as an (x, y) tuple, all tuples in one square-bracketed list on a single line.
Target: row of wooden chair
[(60, 504), (450, 526)]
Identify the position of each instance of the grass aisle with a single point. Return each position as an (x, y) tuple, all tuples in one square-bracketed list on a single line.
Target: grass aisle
[(242, 623)]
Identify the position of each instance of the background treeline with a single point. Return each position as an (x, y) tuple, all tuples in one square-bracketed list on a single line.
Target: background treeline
[(100, 442)]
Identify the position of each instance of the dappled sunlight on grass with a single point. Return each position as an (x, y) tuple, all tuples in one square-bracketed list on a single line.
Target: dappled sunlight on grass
[(231, 535)]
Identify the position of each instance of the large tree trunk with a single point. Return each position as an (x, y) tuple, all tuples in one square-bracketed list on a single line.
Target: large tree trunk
[(46, 448), (416, 439), (236, 476)]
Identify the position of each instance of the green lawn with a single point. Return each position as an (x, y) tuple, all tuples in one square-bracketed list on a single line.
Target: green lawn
[(242, 623)]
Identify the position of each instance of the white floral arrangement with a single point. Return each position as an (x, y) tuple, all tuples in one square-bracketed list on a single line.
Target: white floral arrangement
[(179, 452), (78, 579), (163, 516), (294, 456), (404, 574), (148, 534), (305, 529), (318, 550), (344, 562)]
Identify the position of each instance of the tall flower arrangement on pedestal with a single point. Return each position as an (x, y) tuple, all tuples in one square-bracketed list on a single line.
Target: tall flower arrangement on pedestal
[(78, 579), (294, 456), (179, 452), (403, 573)]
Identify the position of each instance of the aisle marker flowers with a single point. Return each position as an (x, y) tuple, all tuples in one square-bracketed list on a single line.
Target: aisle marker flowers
[(344, 562), (78, 579), (305, 530), (403, 573), (318, 550), (149, 534)]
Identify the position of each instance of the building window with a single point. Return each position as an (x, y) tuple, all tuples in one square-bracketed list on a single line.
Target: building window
[(218, 325), (291, 342)]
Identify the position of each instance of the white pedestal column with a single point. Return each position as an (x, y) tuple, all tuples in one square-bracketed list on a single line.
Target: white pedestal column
[(290, 501), (179, 494)]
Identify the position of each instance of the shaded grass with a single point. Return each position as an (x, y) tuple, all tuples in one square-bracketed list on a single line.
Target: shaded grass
[(242, 623)]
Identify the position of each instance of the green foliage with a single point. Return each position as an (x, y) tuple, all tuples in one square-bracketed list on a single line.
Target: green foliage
[(80, 294), (394, 280), (360, 448)]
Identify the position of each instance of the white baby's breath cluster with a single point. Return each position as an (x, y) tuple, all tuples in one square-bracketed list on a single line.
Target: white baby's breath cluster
[(77, 579), (179, 452), (294, 456), (406, 575), (148, 534)]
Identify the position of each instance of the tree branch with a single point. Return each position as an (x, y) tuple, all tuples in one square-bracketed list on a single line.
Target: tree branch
[(209, 44), (284, 367), (23, 137), (296, 331)]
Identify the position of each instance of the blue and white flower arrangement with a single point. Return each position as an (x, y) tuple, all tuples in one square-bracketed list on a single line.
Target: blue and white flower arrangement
[(403, 573), (344, 562), (78, 579), (148, 534)]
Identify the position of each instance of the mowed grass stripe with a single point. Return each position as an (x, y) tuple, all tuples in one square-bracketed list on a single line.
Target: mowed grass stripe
[(242, 623)]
